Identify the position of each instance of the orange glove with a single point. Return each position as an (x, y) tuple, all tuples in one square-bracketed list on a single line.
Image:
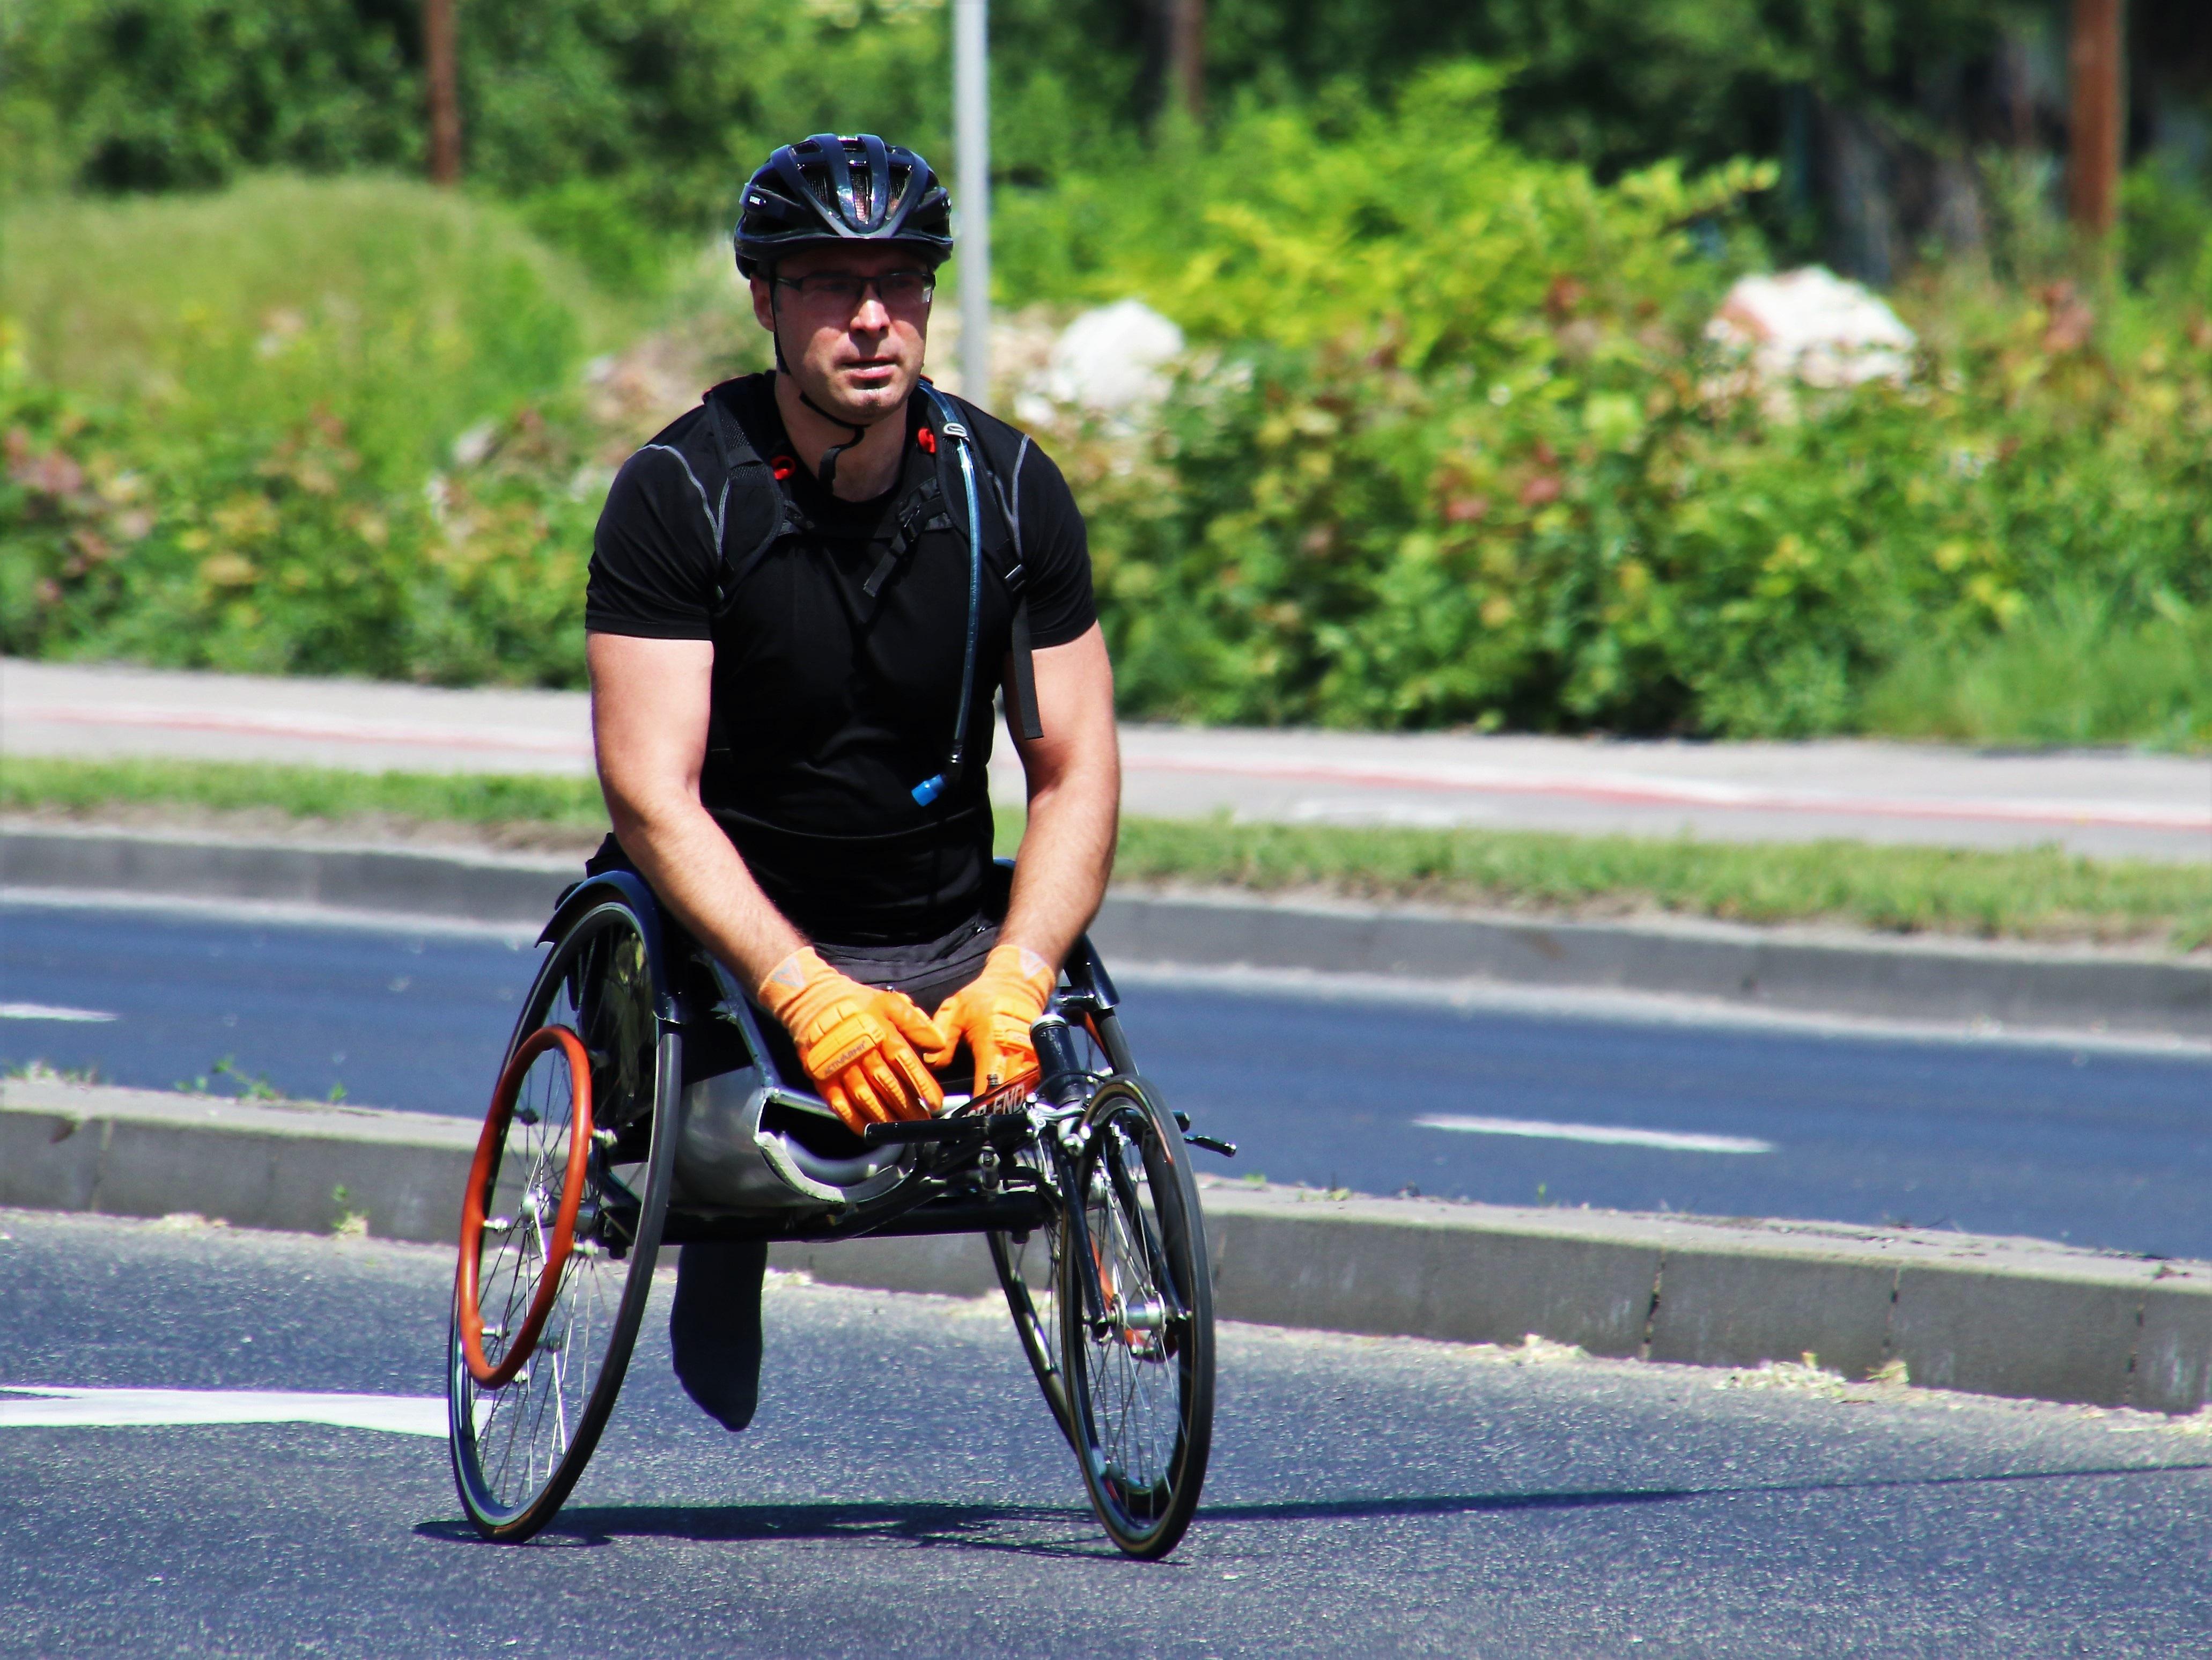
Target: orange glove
[(856, 1042), (994, 1013)]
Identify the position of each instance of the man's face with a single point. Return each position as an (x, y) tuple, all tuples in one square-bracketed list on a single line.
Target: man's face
[(854, 355)]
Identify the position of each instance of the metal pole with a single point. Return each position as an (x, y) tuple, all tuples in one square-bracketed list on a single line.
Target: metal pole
[(971, 134)]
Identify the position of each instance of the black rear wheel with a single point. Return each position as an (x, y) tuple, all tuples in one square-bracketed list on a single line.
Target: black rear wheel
[(1137, 1321), (560, 1225)]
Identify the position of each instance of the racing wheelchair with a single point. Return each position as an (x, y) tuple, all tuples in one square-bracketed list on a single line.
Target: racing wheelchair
[(642, 1103)]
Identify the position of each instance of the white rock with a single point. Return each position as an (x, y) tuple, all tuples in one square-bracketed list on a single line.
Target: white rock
[(473, 446), (1814, 327), (1112, 361)]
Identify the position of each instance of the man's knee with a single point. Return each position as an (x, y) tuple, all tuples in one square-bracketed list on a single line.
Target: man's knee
[(714, 1329)]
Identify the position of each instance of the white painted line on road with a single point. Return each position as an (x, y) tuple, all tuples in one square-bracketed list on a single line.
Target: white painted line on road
[(1609, 1135), (50, 1011), (37, 1406)]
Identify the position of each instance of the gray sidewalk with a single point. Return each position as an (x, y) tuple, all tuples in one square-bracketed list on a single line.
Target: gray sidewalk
[(2106, 802)]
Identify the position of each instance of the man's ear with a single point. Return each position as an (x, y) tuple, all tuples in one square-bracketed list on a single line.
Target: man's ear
[(763, 304)]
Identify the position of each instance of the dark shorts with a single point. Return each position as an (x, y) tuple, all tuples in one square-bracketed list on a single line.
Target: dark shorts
[(928, 970)]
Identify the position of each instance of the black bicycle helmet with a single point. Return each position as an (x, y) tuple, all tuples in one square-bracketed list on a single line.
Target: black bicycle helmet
[(826, 190)]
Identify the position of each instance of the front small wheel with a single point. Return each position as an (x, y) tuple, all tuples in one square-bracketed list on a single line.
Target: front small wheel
[(1136, 1307), (560, 1226)]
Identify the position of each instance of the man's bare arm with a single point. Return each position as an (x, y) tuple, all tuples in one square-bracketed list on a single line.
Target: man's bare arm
[(650, 700), (1075, 798)]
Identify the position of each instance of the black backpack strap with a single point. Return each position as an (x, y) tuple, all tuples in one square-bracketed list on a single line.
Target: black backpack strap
[(756, 513), (1031, 724), (921, 513)]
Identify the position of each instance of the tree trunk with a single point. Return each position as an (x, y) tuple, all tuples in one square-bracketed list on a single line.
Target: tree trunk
[(1862, 230), (1187, 55), (438, 56), (2092, 127)]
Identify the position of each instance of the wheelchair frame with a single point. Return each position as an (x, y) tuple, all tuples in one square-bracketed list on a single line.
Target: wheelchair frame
[(1134, 1292)]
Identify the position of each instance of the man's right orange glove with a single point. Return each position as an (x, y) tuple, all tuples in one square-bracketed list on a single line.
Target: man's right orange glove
[(856, 1042)]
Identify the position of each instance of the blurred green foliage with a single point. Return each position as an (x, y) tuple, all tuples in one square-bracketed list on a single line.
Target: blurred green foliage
[(667, 103), (231, 425), (1615, 84), (1461, 455), (1451, 450), (660, 108)]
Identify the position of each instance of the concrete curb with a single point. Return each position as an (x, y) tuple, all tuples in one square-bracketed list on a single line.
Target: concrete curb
[(1951, 981), (1752, 967), (450, 884), (1996, 1316)]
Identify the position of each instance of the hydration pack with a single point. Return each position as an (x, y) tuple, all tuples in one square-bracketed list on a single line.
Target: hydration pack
[(755, 512)]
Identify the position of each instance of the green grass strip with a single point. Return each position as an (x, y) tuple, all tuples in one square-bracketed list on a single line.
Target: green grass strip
[(2039, 893), (29, 783)]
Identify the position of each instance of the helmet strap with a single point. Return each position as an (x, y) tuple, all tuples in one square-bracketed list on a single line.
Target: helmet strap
[(828, 468)]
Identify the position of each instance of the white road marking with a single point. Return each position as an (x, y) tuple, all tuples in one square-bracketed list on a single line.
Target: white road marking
[(1610, 1135), (37, 1405), (49, 1012)]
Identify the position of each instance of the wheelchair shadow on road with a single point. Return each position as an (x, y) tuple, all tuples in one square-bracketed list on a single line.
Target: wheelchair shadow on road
[(1025, 1529), (1069, 1531)]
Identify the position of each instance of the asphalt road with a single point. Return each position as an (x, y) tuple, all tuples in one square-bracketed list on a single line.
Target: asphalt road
[(2101, 1147), (902, 1493)]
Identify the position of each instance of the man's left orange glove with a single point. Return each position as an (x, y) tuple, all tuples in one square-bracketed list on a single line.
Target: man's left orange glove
[(994, 1013)]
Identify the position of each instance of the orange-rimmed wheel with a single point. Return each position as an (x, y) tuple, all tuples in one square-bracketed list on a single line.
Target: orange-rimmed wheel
[(561, 1223), (549, 1070)]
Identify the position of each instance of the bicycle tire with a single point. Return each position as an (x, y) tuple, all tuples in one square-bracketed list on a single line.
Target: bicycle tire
[(1137, 1321), (598, 985)]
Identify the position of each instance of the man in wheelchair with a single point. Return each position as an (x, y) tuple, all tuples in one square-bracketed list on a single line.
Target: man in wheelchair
[(804, 595)]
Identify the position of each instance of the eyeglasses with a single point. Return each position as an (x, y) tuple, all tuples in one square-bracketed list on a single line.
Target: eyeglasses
[(839, 293)]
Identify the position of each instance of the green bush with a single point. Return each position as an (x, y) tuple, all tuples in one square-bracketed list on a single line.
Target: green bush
[(231, 434), (1451, 449), (1481, 468), (2066, 673)]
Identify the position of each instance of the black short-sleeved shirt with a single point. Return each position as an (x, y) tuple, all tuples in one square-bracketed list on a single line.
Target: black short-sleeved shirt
[(830, 707)]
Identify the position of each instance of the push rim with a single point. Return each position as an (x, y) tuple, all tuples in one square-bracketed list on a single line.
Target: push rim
[(1136, 1325), (532, 1262), (519, 1447)]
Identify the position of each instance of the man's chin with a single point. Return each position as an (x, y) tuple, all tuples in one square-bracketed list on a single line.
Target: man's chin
[(871, 400)]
